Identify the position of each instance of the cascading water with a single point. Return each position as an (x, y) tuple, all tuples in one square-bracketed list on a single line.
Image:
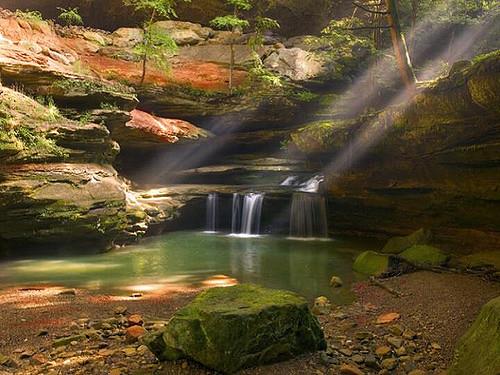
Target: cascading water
[(312, 185), (236, 215), (246, 217), (290, 181), (308, 216), (212, 208)]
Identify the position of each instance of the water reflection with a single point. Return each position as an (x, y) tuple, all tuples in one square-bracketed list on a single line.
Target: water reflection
[(194, 259)]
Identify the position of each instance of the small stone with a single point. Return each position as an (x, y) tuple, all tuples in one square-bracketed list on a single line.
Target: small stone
[(184, 365), (390, 363), (26, 354), (142, 349), (382, 351), (328, 359), (133, 333), (401, 351), (395, 342), (129, 351), (321, 306), (7, 361), (417, 372), (67, 340), (396, 330), (68, 292), (38, 359), (409, 334), (347, 369), (115, 371), (336, 282), (346, 352), (121, 310), (363, 335), (435, 346), (135, 320), (357, 358), (371, 361), (388, 318)]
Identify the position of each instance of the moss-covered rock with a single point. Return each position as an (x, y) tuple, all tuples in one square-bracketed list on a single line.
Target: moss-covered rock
[(397, 245), (228, 329), (371, 263), (424, 255), (483, 259), (478, 351)]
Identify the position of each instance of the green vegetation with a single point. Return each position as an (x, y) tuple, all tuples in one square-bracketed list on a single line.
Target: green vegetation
[(156, 45), (29, 15), (70, 16), (53, 113), (109, 106), (424, 255), (234, 24), (371, 263)]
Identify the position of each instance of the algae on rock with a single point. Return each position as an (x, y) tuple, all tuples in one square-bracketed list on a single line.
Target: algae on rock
[(231, 328)]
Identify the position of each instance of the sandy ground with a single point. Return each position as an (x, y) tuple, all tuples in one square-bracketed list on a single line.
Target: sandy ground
[(437, 307)]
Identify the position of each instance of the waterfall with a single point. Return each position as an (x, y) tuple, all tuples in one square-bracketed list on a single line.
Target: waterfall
[(236, 216), (246, 218), (312, 185), (308, 216), (212, 208)]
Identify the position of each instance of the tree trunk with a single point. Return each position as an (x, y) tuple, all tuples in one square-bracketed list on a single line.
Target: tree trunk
[(231, 68), (399, 45), (144, 66)]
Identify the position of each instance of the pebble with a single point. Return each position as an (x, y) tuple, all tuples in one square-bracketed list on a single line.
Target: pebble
[(357, 358), (417, 372), (371, 361), (395, 342), (409, 334), (396, 330), (390, 363), (121, 310), (382, 351), (346, 352), (435, 346), (68, 292), (133, 333), (388, 318), (336, 282), (129, 351), (348, 369), (115, 371), (135, 320), (401, 351)]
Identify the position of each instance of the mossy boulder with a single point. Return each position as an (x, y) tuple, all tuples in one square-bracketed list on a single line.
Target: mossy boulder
[(478, 351), (371, 263), (397, 245), (227, 329), (481, 260), (424, 255)]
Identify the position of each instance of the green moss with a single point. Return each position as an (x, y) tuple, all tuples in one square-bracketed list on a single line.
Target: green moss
[(478, 351), (371, 263), (424, 255), (482, 259), (227, 329), (397, 245)]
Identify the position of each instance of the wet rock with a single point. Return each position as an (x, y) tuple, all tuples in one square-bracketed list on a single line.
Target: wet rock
[(227, 329), (357, 358), (120, 310), (397, 245), (348, 369), (389, 363), (395, 342), (388, 318), (322, 306), (135, 320), (336, 282), (383, 351), (424, 255), (68, 340), (133, 333)]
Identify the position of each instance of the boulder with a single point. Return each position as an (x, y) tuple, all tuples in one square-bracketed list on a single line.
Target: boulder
[(295, 63), (478, 351), (371, 263), (185, 33), (220, 54), (227, 329), (424, 255), (397, 245), (481, 260), (127, 37)]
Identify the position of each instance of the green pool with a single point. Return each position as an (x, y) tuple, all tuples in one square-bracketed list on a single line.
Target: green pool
[(192, 259)]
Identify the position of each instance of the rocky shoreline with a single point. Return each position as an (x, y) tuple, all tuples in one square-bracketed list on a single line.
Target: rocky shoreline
[(48, 330)]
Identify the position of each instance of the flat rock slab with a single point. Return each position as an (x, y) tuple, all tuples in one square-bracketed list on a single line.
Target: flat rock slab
[(231, 328)]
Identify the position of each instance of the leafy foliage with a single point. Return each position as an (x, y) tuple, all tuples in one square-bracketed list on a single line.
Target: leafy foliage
[(160, 8), (157, 46), (229, 22), (29, 15), (70, 16)]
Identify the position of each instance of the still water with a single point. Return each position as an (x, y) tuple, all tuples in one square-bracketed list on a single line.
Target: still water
[(192, 259)]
